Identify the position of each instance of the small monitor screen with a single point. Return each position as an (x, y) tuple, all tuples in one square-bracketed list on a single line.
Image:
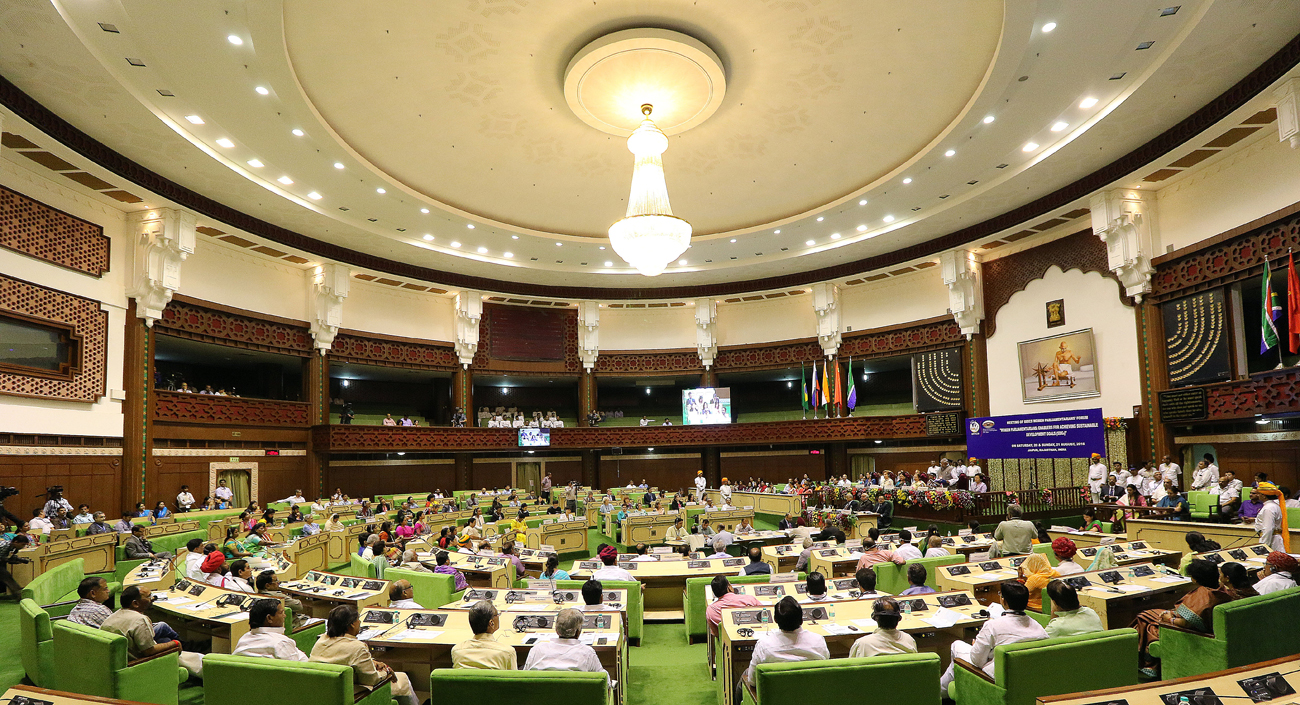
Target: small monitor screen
[(529, 437), (706, 405)]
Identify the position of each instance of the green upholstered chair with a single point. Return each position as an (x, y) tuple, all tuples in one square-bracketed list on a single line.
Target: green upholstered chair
[(892, 578), (306, 637), (55, 590), (92, 662), (360, 568), (696, 601), (913, 680), (1246, 631), (37, 647), (432, 590), (635, 602), (1031, 669), (229, 680), (1204, 506), (171, 543), (533, 687)]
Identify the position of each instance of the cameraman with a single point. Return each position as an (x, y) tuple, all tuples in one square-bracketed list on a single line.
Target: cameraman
[(54, 500), (9, 556)]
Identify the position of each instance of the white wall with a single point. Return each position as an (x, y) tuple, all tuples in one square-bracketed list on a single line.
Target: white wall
[(911, 297), (224, 274), (772, 320), (1091, 301), (104, 417), (647, 329), (1250, 184), (391, 311)]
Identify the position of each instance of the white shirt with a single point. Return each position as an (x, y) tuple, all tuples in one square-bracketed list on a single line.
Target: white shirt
[(1170, 472), (557, 423), (193, 561), (908, 552), (725, 491), (956, 473), (933, 471), (268, 642), (406, 605), (1274, 582), (223, 493), (700, 482), (564, 655), (936, 552), (1230, 491), (41, 525), (296, 499), (1096, 476), (184, 500), (643, 559), (777, 645), (1202, 478), (645, 422), (1123, 478), (973, 470), (1069, 568), (1007, 629), (612, 572), (883, 642), (230, 582), (1267, 524)]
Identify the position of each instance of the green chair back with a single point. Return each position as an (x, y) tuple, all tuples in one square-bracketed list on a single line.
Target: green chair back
[(1032, 669), (228, 680), (93, 662), (533, 687), (1259, 628), (37, 646), (695, 601), (432, 590), (360, 568), (635, 602), (893, 578), (913, 680), (55, 584)]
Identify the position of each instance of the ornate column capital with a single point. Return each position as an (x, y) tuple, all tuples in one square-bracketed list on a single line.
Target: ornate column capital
[(706, 335), (330, 284), (826, 304), (1287, 97), (164, 237), (469, 311), (963, 274), (1125, 219), (588, 333)]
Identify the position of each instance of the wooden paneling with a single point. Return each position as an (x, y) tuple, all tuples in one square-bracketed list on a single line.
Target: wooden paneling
[(491, 475), (521, 333), (564, 471), (278, 476), (773, 468), (93, 480), (906, 462), (1280, 459), (370, 480), (670, 472)]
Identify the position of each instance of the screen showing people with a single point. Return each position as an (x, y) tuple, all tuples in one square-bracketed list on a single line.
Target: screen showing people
[(534, 437), (707, 405)]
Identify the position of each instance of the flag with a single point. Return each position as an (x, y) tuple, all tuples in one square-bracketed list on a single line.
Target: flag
[(826, 386), (839, 386), (815, 388), (1292, 305), (853, 392), (803, 385), (1269, 311)]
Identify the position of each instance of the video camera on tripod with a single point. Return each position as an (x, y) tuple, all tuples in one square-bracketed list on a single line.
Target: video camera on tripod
[(5, 514)]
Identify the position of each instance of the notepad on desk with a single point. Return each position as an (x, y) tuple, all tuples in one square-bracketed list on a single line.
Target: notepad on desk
[(943, 618), (866, 624), (1169, 579)]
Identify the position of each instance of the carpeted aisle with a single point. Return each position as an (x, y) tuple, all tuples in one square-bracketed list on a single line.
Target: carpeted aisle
[(664, 670)]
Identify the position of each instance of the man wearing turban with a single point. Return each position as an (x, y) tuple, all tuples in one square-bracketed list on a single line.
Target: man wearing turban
[(1278, 573)]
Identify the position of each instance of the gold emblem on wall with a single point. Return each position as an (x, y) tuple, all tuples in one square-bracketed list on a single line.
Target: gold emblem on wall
[(1056, 313)]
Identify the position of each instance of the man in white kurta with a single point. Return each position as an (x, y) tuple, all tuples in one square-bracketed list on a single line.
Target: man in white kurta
[(265, 638), (1096, 477), (1204, 478), (790, 642), (1169, 470), (700, 484), (566, 652), (1011, 627), (1268, 523)]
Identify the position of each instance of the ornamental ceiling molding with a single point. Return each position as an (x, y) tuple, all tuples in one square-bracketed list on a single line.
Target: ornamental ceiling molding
[(1251, 85)]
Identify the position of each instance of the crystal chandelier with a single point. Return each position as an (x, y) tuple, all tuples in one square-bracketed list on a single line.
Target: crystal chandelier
[(649, 236)]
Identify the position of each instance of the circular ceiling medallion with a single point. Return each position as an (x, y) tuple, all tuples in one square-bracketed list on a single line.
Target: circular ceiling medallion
[(609, 80)]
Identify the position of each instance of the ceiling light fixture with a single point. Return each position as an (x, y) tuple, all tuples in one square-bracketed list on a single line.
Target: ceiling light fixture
[(810, 243), (889, 219), (819, 219), (776, 232), (235, 39), (516, 237), (950, 153), (297, 132), (988, 119), (223, 142), (560, 244), (455, 244), (862, 228), (469, 225), (649, 236), (1029, 147), (1060, 126), (835, 236), (424, 210), (194, 119), (508, 255), (482, 250), (1049, 27), (285, 180), (863, 202), (682, 262), (609, 264), (1088, 103), (380, 191), (314, 196), (255, 163), (338, 165), (908, 180), (262, 90), (733, 239), (428, 236)]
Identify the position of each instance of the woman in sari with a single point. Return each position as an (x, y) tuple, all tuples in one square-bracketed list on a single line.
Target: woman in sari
[(1235, 582), (1195, 611), (1131, 498), (232, 548), (257, 540), (887, 482), (1105, 560), (1036, 572), (333, 524)]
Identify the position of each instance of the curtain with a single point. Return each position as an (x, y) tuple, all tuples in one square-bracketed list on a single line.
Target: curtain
[(239, 482), (861, 465)]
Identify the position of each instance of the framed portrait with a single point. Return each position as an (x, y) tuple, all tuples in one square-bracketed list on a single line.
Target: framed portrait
[(1056, 313), (1057, 367)]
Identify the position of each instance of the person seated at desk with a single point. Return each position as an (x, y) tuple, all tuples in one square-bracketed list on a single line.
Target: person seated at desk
[(1090, 522), (725, 537), (1251, 508), (705, 529), (123, 525), (1112, 490), (1229, 492), (1068, 618), (746, 526), (1196, 544), (194, 560), (641, 555), (1036, 572), (333, 524), (831, 532), (719, 550), (139, 548), (141, 640), (593, 596), (610, 571), (265, 637), (295, 515), (401, 596), (1194, 611), (756, 565), (267, 584), (483, 650), (622, 513), (886, 640), (906, 550), (866, 581), (934, 547), (552, 570), (916, 576), (232, 548), (816, 586), (1011, 627), (239, 578), (789, 642), (804, 555), (872, 555), (1015, 535), (444, 567), (676, 532), (340, 646), (786, 523), (566, 653), (607, 506), (1278, 573), (1175, 500), (98, 526), (90, 609), (510, 549), (379, 558), (1065, 550), (1235, 581)]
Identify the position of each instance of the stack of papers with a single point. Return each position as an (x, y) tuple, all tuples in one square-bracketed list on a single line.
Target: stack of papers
[(832, 628), (1170, 579), (414, 633), (1132, 588), (868, 625), (943, 618)]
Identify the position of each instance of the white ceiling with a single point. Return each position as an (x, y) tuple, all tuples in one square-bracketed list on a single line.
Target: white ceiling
[(458, 108)]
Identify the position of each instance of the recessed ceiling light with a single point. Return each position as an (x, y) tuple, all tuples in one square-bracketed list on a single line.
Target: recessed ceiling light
[(862, 228), (863, 202), (314, 196), (508, 255), (262, 90), (285, 180), (1049, 27), (950, 153), (682, 262), (455, 244), (988, 119), (1087, 103), (428, 236), (195, 119), (1029, 147), (819, 219), (380, 190), (559, 244), (338, 165), (1060, 126), (255, 163), (810, 243), (482, 250), (835, 236), (297, 132), (223, 142), (609, 264), (908, 180), (469, 225), (776, 232), (516, 237), (733, 239), (889, 219), (235, 39)]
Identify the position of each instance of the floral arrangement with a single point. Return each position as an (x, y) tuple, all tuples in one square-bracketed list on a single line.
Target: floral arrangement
[(1115, 423)]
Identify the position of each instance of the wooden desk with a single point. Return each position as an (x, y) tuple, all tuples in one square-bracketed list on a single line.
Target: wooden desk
[(645, 528), (176, 527), (537, 600), (783, 557), (734, 650), (205, 610), (1229, 684), (834, 562), (1130, 552), (480, 571), (866, 522), (762, 502), (156, 574), (663, 582), (304, 554), (1084, 538), (720, 519), (418, 650), (321, 592), (58, 697), (564, 536), (1169, 534), (98, 551), (761, 538), (838, 590), (966, 545), (1250, 556), (980, 579), (1118, 607), (343, 543)]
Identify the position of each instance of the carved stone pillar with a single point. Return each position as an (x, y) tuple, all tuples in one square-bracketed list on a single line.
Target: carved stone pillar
[(706, 339), (1125, 220), (469, 311), (586, 395), (137, 408), (329, 287), (1288, 112), (318, 398), (826, 303), (961, 273), (588, 333), (164, 237)]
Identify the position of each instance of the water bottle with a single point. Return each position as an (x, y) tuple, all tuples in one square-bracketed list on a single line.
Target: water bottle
[(830, 610), (1184, 701), (763, 617), (907, 608)]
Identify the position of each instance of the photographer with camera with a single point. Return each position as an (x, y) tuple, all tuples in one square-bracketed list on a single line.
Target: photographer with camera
[(5, 514), (54, 500), (9, 556)]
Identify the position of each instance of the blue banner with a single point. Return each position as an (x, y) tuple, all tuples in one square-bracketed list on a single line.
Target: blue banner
[(1060, 434)]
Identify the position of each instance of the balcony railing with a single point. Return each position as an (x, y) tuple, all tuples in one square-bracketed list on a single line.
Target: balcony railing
[(182, 407)]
